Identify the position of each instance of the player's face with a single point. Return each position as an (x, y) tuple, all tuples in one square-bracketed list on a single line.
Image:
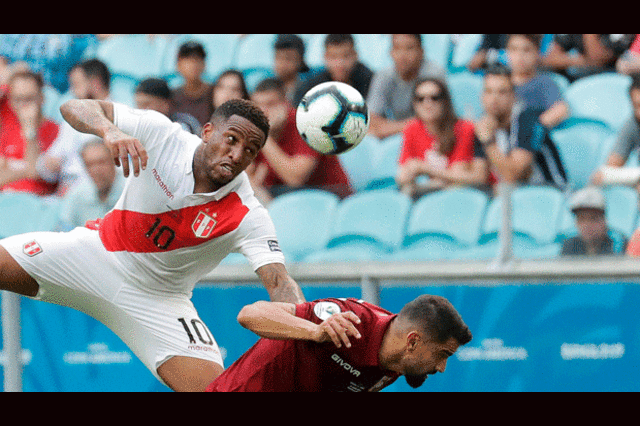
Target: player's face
[(427, 358), (230, 146)]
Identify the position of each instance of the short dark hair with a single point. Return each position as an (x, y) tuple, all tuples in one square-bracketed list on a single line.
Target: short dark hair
[(499, 70), (536, 39), (418, 38), (242, 108), (239, 75), (635, 81), (289, 41), (96, 68), (437, 317), (192, 48), (155, 87), (270, 83), (333, 39)]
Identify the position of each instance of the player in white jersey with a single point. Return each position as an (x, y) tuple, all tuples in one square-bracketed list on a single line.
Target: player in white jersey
[(187, 205)]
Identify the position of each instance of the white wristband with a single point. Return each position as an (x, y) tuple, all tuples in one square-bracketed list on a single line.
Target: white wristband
[(620, 175)]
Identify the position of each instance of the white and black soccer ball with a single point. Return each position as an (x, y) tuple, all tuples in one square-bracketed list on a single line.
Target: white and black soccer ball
[(332, 117)]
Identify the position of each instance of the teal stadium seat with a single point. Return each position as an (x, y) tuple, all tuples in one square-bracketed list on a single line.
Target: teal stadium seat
[(314, 51), (133, 55), (368, 225), (442, 223), (463, 50), (622, 208), (51, 99), (437, 48), (122, 89), (603, 97), (384, 165), (374, 50), (219, 48), (580, 142), (466, 93), (22, 212), (255, 51), (358, 162), (303, 221)]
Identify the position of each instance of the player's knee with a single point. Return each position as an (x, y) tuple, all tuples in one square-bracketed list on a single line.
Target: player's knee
[(184, 374)]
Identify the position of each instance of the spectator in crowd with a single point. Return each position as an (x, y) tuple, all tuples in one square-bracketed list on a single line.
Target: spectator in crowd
[(289, 65), (51, 55), (594, 236), (229, 85), (436, 144), (341, 64), (286, 162), (61, 164), (195, 96), (629, 61), (535, 89), (491, 51), (578, 55), (510, 138), (92, 198), (614, 171), (154, 93), (24, 132), (390, 99)]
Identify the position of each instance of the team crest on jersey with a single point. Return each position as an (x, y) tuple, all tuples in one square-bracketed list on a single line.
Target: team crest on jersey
[(32, 248), (203, 225), (324, 310)]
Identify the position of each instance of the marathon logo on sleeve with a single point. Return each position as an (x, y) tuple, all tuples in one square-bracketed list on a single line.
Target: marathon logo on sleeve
[(32, 248)]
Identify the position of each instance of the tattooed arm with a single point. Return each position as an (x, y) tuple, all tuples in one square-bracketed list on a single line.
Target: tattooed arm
[(279, 284)]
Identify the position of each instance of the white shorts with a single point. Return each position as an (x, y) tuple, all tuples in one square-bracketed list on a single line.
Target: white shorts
[(73, 269)]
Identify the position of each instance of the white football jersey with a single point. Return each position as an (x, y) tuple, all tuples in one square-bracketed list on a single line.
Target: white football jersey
[(165, 236)]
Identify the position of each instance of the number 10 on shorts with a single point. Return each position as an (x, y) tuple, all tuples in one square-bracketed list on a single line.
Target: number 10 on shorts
[(200, 330)]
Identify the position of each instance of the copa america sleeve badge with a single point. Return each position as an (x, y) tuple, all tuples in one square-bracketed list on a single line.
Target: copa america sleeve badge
[(31, 248), (324, 310)]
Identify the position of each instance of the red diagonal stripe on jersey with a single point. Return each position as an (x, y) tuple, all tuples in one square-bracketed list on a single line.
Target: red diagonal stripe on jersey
[(125, 230)]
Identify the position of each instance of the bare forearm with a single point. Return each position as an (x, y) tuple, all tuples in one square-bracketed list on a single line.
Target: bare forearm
[(88, 116), (276, 321), (279, 284)]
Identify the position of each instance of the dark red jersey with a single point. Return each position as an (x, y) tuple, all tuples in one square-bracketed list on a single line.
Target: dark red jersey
[(305, 366)]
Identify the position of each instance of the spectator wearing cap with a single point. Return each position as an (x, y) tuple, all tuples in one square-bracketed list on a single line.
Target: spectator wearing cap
[(289, 65), (594, 235), (154, 93), (195, 96)]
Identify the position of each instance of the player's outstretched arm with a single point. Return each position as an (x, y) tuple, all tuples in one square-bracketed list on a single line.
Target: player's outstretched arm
[(275, 320), (96, 117), (279, 284)]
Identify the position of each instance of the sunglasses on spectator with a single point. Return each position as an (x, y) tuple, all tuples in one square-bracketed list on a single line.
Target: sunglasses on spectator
[(433, 98)]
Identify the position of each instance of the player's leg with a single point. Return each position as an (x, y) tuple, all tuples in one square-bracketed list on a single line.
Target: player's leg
[(14, 278), (185, 374)]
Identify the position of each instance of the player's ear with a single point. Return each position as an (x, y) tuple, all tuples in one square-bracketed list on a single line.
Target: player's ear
[(413, 339), (207, 131)]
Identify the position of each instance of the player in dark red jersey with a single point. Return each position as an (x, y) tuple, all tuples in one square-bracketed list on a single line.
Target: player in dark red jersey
[(343, 345)]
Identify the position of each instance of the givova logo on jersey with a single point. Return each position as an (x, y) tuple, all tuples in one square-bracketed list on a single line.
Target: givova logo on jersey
[(203, 225)]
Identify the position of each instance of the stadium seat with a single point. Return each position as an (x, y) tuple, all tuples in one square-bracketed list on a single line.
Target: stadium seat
[(437, 48), (579, 142), (137, 56), (466, 93), (51, 101), (376, 217), (456, 214), (219, 48), (122, 89), (358, 163), (303, 221), (374, 50), (22, 212), (255, 51), (536, 214), (602, 96), (384, 164), (253, 76), (622, 208), (314, 51), (523, 247), (463, 50)]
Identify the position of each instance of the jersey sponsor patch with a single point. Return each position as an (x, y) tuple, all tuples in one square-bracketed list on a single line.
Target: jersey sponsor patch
[(31, 248), (324, 310)]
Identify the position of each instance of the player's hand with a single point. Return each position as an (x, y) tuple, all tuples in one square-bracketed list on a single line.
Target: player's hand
[(337, 328), (122, 146)]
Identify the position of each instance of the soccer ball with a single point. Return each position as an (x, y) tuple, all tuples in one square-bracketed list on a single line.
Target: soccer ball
[(332, 118)]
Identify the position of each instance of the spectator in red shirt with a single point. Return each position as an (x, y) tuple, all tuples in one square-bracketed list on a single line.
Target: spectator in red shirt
[(436, 144), (25, 133), (629, 62), (286, 162), (338, 345)]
